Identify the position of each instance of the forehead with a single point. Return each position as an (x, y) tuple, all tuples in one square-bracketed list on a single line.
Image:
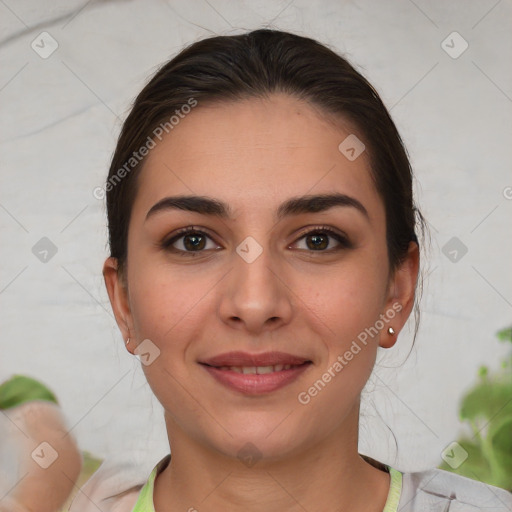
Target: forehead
[(254, 154)]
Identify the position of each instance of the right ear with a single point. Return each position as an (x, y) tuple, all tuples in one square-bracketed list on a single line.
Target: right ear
[(118, 295)]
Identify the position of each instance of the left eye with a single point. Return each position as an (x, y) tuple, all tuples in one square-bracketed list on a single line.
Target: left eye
[(318, 239)]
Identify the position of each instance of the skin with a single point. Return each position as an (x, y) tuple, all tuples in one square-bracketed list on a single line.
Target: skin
[(41, 487), (254, 154)]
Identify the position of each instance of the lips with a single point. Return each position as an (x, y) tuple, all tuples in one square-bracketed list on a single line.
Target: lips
[(254, 374), (244, 359)]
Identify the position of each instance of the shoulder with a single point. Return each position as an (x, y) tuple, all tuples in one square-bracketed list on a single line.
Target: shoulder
[(113, 487), (439, 490)]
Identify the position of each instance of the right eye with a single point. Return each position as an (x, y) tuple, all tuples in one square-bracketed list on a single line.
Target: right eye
[(191, 241)]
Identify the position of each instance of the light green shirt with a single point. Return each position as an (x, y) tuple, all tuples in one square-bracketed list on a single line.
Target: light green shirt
[(145, 501), (120, 488)]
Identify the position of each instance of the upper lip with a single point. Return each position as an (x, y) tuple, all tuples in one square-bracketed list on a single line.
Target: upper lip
[(246, 359)]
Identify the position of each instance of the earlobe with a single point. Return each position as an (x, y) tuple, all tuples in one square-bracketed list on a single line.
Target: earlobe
[(401, 295), (118, 296)]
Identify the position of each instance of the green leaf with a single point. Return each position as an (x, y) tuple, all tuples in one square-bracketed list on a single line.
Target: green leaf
[(487, 399), (20, 389), (488, 409), (505, 334), (475, 466), (500, 438), (483, 372)]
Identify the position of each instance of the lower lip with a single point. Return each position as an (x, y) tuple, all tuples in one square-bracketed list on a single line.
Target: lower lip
[(254, 384)]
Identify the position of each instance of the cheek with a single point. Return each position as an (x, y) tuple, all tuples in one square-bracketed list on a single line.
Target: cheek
[(163, 302), (350, 307), (351, 298), (167, 309)]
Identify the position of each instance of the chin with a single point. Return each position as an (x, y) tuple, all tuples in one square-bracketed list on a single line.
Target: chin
[(260, 441)]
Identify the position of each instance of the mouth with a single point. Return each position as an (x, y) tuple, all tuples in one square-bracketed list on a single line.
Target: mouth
[(254, 374), (257, 370)]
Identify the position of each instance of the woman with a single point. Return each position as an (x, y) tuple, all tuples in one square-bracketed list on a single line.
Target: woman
[(263, 246)]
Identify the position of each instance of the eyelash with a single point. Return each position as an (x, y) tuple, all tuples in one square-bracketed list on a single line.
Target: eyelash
[(342, 240)]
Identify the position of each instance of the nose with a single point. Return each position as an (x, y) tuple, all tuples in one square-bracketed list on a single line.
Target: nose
[(255, 295)]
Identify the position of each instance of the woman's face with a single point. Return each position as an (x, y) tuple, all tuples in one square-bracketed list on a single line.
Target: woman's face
[(253, 281)]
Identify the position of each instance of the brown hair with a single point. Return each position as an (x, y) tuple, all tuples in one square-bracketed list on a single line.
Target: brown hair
[(256, 64)]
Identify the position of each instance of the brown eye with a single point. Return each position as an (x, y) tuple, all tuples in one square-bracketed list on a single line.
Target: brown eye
[(188, 240), (194, 242), (319, 240)]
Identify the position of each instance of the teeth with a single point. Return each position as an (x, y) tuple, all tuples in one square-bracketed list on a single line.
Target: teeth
[(251, 370), (266, 369)]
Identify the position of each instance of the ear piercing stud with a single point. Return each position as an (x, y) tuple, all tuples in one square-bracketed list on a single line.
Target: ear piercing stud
[(391, 331)]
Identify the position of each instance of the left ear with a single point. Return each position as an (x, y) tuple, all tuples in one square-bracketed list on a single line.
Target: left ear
[(401, 294)]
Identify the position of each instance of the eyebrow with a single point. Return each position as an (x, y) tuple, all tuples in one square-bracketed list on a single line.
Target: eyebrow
[(293, 206)]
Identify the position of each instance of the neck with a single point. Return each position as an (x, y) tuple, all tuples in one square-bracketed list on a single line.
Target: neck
[(329, 475)]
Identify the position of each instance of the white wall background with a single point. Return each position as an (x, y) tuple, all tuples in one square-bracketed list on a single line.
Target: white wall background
[(60, 118)]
